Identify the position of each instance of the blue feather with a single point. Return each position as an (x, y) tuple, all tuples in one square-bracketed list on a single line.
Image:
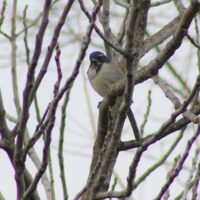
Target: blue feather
[(99, 55)]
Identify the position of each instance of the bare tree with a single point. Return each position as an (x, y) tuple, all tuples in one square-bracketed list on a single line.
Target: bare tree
[(129, 44)]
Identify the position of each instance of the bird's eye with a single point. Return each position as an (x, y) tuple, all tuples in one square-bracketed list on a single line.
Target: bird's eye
[(95, 60)]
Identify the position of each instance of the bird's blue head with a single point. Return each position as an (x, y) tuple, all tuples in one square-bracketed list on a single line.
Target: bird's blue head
[(97, 58)]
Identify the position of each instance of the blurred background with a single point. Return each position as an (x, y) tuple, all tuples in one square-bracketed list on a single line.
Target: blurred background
[(82, 113)]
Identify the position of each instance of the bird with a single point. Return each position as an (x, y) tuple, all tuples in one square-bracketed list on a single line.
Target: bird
[(102, 74)]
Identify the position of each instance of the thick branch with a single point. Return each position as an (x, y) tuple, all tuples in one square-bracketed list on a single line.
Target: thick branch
[(155, 65), (161, 36), (137, 19)]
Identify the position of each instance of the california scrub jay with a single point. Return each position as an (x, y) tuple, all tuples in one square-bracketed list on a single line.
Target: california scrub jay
[(102, 74)]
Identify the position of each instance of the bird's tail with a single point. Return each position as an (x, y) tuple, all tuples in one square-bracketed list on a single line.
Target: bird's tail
[(133, 123)]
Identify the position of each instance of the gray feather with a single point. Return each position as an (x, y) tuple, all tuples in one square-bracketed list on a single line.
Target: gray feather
[(105, 78)]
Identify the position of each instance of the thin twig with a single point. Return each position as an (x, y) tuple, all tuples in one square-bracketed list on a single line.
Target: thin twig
[(20, 127), (161, 161), (2, 13), (122, 30), (6, 35), (18, 163), (122, 3), (195, 43), (190, 180), (51, 175), (158, 3), (38, 132), (62, 136), (179, 166), (26, 35), (61, 142), (51, 47), (32, 187), (59, 71), (182, 108), (146, 115), (37, 162), (174, 99), (196, 183), (14, 59), (32, 24), (198, 41), (2, 17), (115, 46)]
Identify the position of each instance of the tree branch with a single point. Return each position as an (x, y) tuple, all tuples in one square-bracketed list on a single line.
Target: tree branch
[(179, 166), (102, 179), (4, 131), (113, 44), (155, 65), (175, 100), (14, 58), (21, 125), (53, 106)]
